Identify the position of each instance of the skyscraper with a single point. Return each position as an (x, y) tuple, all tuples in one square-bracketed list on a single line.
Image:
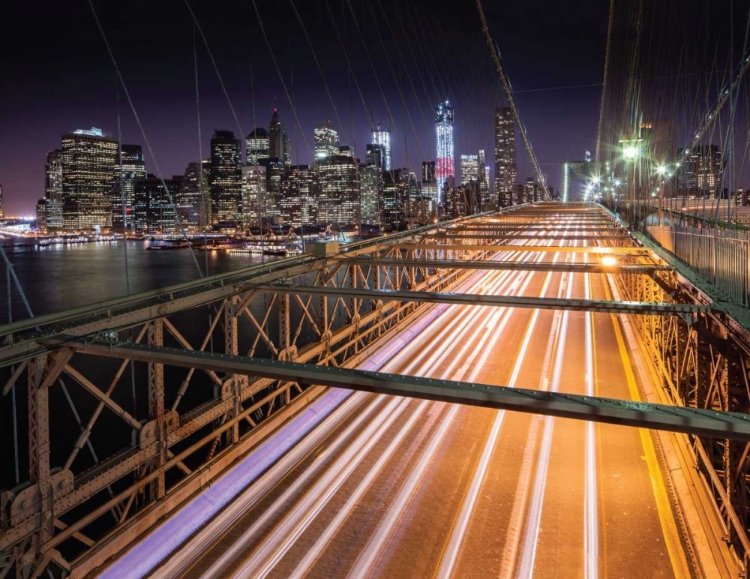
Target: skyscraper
[(53, 190), (326, 141), (444, 140), (276, 137), (382, 136), (469, 169), (295, 195), (192, 199), (2, 212), (88, 163), (339, 191), (257, 146), (703, 167), (254, 195), (429, 184), (133, 167), (225, 180), (484, 181), (391, 208), (506, 172), (153, 212), (372, 184)]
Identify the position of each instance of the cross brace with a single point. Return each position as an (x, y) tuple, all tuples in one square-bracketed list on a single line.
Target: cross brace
[(700, 422), (514, 265), (603, 306)]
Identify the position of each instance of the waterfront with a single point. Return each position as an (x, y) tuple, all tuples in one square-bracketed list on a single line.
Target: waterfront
[(57, 278)]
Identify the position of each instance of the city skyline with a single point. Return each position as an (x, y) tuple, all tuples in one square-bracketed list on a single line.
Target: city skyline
[(168, 113)]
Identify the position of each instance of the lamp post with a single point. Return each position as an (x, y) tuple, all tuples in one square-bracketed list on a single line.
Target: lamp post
[(631, 152)]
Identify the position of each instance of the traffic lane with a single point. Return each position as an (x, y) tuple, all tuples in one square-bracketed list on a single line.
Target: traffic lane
[(631, 529), (434, 332)]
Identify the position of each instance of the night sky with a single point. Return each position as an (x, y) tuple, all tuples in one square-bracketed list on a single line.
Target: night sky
[(55, 76)]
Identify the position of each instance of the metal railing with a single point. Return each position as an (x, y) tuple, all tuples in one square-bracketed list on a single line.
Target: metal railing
[(715, 251)]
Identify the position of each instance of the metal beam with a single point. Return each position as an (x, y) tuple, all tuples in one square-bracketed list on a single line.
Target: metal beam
[(603, 306), (700, 422), (526, 248), (505, 265), (551, 234)]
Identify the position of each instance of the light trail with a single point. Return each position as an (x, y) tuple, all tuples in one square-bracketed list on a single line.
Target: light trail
[(436, 358), (591, 521), (365, 440), (458, 534), (540, 482), (374, 548), (180, 561)]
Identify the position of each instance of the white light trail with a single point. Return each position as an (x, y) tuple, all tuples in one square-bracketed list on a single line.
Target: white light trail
[(591, 521), (373, 432), (531, 537)]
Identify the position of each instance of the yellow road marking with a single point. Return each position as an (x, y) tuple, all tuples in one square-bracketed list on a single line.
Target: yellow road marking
[(663, 506)]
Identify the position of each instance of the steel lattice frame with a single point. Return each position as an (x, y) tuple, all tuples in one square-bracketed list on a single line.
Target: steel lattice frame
[(77, 502), (704, 362)]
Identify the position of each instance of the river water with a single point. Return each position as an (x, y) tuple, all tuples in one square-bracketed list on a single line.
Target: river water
[(57, 278)]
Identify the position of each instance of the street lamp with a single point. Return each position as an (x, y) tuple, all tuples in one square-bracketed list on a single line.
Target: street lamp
[(630, 152)]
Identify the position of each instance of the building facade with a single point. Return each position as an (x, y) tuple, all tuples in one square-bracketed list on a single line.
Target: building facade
[(506, 171), (326, 141), (193, 203), (153, 212), (444, 166), (53, 191), (88, 163), (225, 180), (129, 166), (254, 196), (339, 191), (275, 137), (257, 146), (703, 169), (382, 136)]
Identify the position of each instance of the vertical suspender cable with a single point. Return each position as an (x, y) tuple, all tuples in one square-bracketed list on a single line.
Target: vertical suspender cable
[(13, 390), (122, 192), (111, 54)]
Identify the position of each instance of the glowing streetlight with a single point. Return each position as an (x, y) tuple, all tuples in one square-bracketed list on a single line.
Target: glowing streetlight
[(609, 260), (661, 170), (630, 152)]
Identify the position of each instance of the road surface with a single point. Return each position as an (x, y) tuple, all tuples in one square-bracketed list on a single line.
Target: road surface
[(395, 487)]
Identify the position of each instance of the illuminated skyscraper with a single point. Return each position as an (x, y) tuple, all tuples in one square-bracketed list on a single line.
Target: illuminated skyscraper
[(254, 195), (257, 146), (153, 212), (295, 196), (225, 180), (88, 164), (339, 191), (382, 136), (192, 199), (326, 142), (133, 167), (469, 169), (372, 184), (703, 168), (429, 184), (444, 139), (276, 137), (53, 190), (506, 172), (484, 181), (2, 213)]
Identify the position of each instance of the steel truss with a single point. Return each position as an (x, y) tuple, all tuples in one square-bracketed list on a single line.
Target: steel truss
[(704, 363), (116, 444)]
